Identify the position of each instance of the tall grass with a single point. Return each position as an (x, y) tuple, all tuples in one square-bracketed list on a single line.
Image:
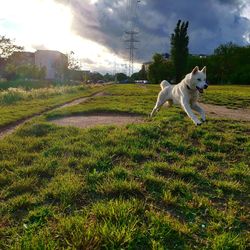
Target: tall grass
[(13, 95)]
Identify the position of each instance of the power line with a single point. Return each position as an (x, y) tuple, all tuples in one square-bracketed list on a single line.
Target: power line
[(131, 32)]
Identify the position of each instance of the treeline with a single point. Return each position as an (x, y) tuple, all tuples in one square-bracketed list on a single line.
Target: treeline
[(229, 64)]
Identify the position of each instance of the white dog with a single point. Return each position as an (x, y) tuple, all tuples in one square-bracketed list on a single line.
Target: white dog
[(185, 93)]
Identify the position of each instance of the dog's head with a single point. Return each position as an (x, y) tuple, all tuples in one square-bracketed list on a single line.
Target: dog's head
[(198, 79)]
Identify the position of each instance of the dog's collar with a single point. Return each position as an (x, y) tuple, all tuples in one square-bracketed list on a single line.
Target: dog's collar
[(189, 87)]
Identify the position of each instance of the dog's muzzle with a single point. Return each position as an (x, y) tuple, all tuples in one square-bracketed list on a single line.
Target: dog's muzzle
[(199, 89), (206, 86)]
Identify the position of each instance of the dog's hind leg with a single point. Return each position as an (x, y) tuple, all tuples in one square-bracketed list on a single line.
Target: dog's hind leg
[(197, 108), (160, 101)]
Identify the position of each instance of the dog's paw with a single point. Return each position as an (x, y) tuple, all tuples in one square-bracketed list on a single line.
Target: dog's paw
[(198, 123), (203, 120)]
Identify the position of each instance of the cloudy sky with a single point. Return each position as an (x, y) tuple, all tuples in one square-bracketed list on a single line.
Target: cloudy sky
[(94, 29)]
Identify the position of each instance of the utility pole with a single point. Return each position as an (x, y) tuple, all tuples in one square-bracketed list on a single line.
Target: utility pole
[(131, 42), (131, 33)]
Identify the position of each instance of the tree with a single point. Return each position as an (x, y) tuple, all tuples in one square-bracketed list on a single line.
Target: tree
[(7, 47), (95, 77), (24, 71), (121, 77), (225, 56), (179, 49), (135, 76), (108, 78), (73, 62), (143, 73), (157, 70)]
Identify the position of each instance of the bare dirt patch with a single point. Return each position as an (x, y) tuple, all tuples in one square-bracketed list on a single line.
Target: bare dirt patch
[(10, 128), (224, 112), (92, 120)]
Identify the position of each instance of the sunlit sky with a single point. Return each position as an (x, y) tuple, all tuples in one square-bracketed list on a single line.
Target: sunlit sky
[(46, 24), (93, 29)]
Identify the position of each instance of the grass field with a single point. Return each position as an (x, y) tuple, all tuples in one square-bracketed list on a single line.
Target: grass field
[(232, 96), (17, 103), (163, 184)]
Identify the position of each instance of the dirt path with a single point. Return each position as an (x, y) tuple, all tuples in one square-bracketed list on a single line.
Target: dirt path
[(224, 112), (80, 100), (98, 119), (8, 129)]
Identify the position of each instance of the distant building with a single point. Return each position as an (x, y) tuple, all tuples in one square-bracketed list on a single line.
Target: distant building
[(55, 62)]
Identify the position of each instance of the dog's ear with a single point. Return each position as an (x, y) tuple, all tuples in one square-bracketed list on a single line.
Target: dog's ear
[(204, 70), (195, 70)]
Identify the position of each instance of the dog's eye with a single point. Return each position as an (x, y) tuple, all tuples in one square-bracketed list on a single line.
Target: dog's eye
[(199, 79)]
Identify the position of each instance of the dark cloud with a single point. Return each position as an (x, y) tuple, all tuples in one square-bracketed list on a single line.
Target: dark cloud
[(212, 22), (233, 2)]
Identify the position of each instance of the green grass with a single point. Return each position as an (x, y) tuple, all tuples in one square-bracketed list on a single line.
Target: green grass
[(163, 184), (17, 104), (232, 96)]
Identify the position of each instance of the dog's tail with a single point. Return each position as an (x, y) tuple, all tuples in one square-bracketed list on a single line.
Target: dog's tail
[(164, 84)]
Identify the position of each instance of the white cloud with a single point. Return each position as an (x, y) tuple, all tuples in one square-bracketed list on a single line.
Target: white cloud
[(246, 11)]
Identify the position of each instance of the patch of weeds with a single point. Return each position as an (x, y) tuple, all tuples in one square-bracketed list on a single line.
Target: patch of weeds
[(103, 164), (180, 188), (215, 156), (23, 185), (228, 186), (5, 179), (119, 173), (37, 130), (42, 168), (171, 157), (21, 202), (168, 198), (166, 231), (214, 171), (117, 188), (239, 171), (228, 240), (198, 161), (41, 239), (66, 189), (154, 184), (77, 232), (37, 218)]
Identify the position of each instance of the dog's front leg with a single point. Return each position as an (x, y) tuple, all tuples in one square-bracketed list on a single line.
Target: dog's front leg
[(197, 108), (186, 106)]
